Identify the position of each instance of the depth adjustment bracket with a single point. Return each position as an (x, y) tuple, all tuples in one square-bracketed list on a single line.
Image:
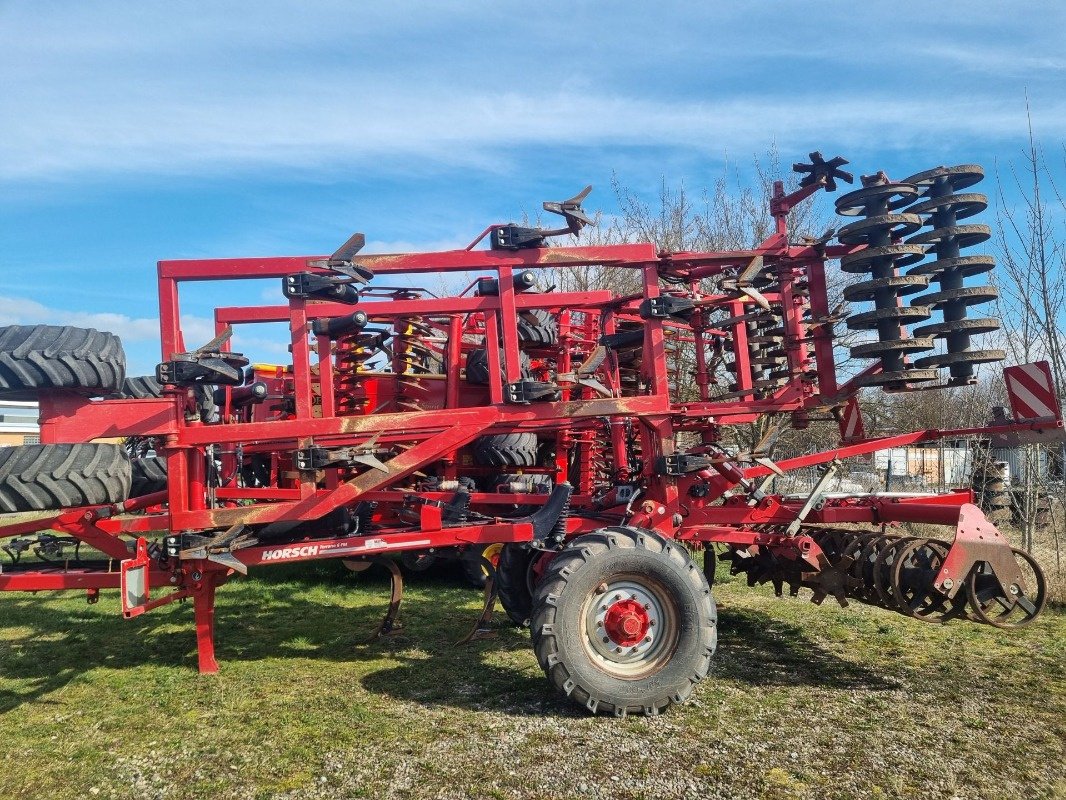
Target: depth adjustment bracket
[(309, 459), (667, 307), (312, 286), (681, 464), (525, 392), (200, 367), (517, 237)]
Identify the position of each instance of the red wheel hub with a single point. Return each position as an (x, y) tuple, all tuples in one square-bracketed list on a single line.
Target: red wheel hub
[(626, 623)]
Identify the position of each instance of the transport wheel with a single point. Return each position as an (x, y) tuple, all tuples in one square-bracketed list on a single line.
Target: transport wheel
[(538, 327), (418, 560), (518, 572), (477, 366), (36, 357), (472, 566), (149, 475), (43, 477), (624, 622), (506, 450)]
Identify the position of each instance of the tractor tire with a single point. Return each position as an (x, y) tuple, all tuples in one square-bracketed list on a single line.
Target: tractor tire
[(473, 569), (418, 560), (45, 477), (516, 579), (42, 357), (506, 450), (477, 366), (141, 387), (149, 475), (624, 622), (541, 329)]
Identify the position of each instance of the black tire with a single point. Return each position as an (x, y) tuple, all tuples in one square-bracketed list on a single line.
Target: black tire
[(477, 366), (665, 588), (43, 477), (36, 357), (537, 327), (149, 475), (473, 569), (141, 387), (506, 450), (513, 582), (418, 560)]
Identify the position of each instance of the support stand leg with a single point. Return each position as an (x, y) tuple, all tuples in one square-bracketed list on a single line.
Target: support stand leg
[(204, 612)]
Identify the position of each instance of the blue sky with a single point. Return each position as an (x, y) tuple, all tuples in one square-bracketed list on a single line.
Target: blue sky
[(133, 132)]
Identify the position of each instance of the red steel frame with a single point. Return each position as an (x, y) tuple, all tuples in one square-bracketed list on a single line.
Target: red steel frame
[(435, 437)]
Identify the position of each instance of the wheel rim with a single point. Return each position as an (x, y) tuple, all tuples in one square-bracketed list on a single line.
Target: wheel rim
[(492, 555), (631, 628)]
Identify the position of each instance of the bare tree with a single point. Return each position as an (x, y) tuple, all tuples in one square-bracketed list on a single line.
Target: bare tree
[(1032, 304)]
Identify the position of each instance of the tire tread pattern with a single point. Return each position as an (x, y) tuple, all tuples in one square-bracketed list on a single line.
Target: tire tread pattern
[(149, 475), (506, 450), (141, 387), (580, 553), (36, 357), (543, 331), (477, 366), (44, 477)]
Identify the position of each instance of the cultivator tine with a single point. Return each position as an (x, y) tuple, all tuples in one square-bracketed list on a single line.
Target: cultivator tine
[(217, 342), (483, 624), (390, 624)]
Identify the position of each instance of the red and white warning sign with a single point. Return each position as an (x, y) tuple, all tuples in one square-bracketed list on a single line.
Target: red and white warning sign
[(850, 420), (1032, 391)]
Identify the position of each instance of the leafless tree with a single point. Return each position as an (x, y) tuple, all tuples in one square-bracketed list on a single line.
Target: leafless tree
[(1031, 237)]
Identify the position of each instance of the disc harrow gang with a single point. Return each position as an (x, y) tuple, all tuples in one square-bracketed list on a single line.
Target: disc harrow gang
[(895, 572), (565, 446)]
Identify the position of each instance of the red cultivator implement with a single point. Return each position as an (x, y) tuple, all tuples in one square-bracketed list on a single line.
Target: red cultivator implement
[(551, 436)]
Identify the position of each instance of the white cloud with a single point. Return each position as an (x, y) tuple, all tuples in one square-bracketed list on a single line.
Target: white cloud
[(22, 311), (139, 335), (103, 89), (286, 130)]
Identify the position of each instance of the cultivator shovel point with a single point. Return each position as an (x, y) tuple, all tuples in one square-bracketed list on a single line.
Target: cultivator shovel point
[(586, 435)]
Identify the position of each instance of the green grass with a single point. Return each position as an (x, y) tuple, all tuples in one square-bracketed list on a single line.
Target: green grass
[(803, 702)]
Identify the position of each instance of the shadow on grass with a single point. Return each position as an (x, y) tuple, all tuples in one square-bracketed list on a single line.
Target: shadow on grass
[(754, 649), (285, 616), (762, 650)]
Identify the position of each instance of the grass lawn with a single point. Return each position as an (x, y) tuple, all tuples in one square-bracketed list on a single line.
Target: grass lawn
[(802, 702)]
